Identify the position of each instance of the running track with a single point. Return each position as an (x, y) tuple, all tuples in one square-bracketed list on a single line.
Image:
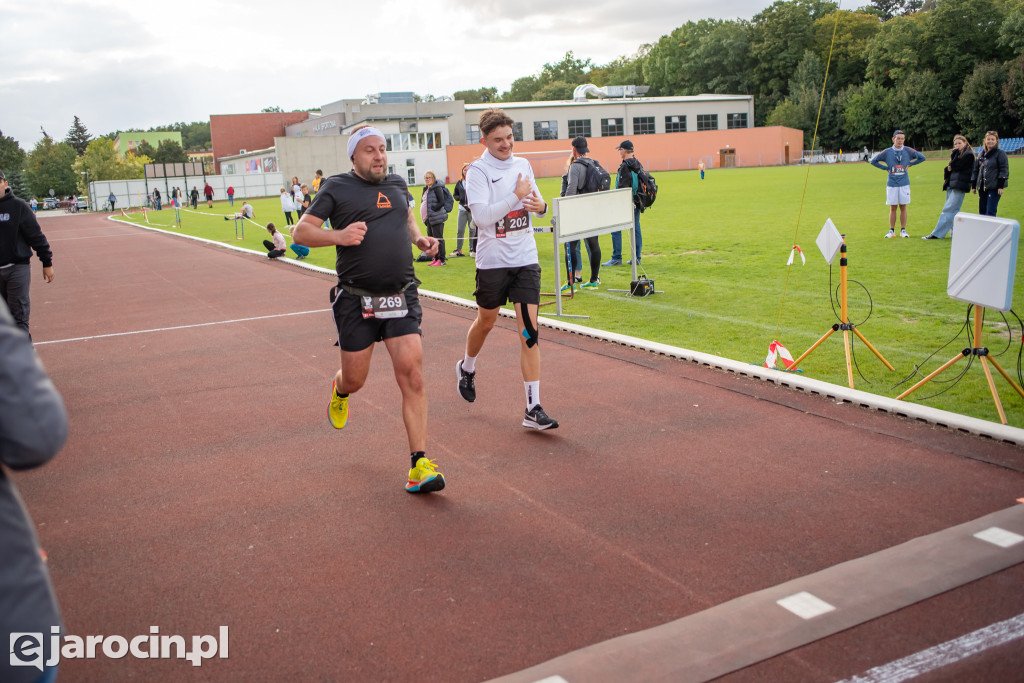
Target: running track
[(202, 486)]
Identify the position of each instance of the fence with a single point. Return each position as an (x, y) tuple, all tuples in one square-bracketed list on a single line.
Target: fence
[(134, 193)]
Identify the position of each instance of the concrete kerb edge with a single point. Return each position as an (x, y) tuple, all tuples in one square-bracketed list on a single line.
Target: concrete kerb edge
[(864, 399)]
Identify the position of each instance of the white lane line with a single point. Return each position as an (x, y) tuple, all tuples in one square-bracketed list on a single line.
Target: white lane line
[(944, 654), (180, 327)]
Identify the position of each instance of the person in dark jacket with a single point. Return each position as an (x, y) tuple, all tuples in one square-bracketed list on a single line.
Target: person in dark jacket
[(19, 235), (626, 176), (465, 217), (433, 214), (33, 428), (957, 182), (991, 173)]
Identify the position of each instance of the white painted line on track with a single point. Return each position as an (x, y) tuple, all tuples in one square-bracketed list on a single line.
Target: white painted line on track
[(944, 654), (999, 537), (805, 605), (180, 327)]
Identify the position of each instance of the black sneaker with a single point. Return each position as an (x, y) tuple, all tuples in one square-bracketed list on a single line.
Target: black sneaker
[(538, 419), (467, 388)]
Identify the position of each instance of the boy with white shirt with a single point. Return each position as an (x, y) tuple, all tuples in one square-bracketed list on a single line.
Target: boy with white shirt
[(502, 195)]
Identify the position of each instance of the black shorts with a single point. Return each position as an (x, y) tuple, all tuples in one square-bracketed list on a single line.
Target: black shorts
[(356, 333), (495, 286)]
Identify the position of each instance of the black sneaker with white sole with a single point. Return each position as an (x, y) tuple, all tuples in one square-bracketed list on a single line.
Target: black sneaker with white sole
[(538, 419), (467, 386)]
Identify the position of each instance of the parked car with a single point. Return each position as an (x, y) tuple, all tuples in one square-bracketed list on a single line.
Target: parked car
[(50, 203)]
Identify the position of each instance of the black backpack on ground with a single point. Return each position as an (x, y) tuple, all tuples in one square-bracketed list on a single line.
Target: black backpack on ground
[(447, 200), (597, 179)]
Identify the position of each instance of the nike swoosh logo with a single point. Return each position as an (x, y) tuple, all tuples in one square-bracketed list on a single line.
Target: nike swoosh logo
[(496, 180)]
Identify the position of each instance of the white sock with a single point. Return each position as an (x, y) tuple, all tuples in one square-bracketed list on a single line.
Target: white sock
[(469, 363), (532, 394)]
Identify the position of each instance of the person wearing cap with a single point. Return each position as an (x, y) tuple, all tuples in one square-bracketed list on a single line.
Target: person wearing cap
[(626, 177), (576, 183), (895, 161), (376, 298), (19, 235)]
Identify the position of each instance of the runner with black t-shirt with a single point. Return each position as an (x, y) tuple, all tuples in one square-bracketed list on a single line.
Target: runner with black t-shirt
[(376, 297)]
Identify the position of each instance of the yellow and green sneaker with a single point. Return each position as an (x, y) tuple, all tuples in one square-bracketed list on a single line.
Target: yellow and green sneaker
[(337, 411), (424, 478)]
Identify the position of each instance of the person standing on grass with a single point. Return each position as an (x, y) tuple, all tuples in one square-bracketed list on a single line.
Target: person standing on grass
[(20, 234), (956, 183), (576, 183), (503, 197), (287, 206), (318, 180), (991, 175), (465, 217), (376, 297), (433, 214), (157, 199), (627, 177), (195, 197), (112, 199), (895, 161), (208, 191), (231, 195), (303, 200)]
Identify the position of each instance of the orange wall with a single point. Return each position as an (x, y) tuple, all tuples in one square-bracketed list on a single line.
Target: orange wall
[(659, 152)]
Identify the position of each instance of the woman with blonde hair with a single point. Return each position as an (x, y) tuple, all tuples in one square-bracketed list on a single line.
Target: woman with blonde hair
[(991, 173), (956, 183)]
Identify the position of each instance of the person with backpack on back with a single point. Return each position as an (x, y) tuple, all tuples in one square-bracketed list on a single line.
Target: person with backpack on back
[(585, 175), (632, 174)]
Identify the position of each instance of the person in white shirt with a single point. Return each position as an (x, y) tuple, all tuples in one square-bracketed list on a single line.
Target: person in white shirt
[(287, 206), (503, 196)]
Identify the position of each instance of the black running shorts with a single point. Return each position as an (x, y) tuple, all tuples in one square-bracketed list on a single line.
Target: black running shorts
[(356, 333), (495, 286)]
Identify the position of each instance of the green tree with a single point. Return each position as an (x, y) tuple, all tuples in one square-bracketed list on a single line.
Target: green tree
[(893, 51), (1013, 94), (853, 31), (866, 115), (168, 152), (887, 9), (555, 90), (980, 107), (720, 60), (78, 136), (780, 34), (49, 167), (478, 96), (1011, 31), (522, 90), (18, 185), (924, 110), (621, 70), (143, 149), (271, 110), (12, 156), (960, 34), (101, 161)]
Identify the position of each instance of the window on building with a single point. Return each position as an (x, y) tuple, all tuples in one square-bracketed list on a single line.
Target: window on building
[(611, 128), (578, 127), (707, 121), (517, 131), (736, 120), (675, 124), (643, 125), (545, 130), (473, 133), (410, 171)]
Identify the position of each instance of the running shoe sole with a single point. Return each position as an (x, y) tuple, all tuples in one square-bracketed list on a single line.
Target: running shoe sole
[(434, 483)]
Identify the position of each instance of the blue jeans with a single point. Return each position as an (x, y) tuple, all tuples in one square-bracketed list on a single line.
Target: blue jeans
[(617, 240), (987, 202), (300, 250), (231, 200), (954, 200), (572, 252)]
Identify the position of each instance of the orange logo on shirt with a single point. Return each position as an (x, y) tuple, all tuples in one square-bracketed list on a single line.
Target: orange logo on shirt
[(382, 201)]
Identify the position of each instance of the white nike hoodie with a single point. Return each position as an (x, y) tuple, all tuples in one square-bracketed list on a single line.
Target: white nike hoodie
[(504, 227)]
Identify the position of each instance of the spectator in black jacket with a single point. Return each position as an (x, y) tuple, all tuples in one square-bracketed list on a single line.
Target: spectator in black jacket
[(33, 428), (957, 181), (19, 235), (433, 214), (465, 217), (991, 173)]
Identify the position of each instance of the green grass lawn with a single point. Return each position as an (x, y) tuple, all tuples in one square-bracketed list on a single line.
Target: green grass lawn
[(717, 248)]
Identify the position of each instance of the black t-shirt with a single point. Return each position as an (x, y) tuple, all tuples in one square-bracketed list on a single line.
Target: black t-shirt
[(382, 264)]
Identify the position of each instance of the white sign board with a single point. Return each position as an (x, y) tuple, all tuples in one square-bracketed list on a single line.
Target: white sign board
[(597, 213), (983, 260), (829, 241)]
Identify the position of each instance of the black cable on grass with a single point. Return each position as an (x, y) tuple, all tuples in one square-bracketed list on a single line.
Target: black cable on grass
[(917, 367)]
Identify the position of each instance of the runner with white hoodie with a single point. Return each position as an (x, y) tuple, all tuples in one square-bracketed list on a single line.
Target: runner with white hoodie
[(503, 196)]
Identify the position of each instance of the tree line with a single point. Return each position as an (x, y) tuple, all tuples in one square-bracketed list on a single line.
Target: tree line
[(933, 68), (65, 166)]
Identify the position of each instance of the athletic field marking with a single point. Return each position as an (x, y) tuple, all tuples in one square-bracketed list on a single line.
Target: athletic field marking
[(180, 327), (805, 605), (944, 654), (999, 537)]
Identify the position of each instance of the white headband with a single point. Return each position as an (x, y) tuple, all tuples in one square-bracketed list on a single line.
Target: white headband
[(359, 135)]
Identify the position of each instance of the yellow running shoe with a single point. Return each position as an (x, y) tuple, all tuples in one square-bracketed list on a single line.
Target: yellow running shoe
[(424, 478), (337, 411)]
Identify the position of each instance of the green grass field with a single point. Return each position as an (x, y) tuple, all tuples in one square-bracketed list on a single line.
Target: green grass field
[(718, 250)]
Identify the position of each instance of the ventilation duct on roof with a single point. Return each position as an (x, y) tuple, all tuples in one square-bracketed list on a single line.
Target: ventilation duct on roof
[(581, 91)]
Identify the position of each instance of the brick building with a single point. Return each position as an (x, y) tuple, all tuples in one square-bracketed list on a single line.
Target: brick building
[(233, 134)]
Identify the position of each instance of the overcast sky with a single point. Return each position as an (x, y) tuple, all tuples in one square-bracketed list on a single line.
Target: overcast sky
[(139, 63)]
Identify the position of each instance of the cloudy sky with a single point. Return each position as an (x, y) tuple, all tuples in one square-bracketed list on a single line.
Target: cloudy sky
[(141, 63)]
